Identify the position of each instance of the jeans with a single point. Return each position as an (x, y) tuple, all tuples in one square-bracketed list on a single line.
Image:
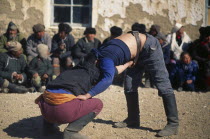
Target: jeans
[(150, 59)]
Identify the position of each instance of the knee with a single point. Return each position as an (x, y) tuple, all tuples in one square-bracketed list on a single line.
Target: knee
[(99, 105)]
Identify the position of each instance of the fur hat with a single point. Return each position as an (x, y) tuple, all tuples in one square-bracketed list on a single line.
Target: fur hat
[(42, 51), (161, 36), (156, 27), (90, 30), (14, 46), (177, 27), (38, 28)]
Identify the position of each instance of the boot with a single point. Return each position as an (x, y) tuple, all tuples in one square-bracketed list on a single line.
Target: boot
[(14, 88), (49, 128), (133, 112), (169, 102), (71, 131)]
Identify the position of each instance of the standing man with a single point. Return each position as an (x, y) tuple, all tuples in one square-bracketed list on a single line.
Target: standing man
[(38, 37), (146, 52)]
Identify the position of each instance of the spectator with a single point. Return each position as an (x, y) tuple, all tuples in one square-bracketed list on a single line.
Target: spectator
[(13, 69), (141, 28), (40, 68), (154, 30), (115, 32), (38, 37), (86, 44), (12, 34), (179, 40), (165, 47), (185, 73), (201, 53), (62, 44)]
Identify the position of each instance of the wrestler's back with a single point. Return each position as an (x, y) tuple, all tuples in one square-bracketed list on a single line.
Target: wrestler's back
[(130, 41)]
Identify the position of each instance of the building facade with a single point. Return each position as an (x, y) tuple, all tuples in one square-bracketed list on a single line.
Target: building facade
[(103, 14)]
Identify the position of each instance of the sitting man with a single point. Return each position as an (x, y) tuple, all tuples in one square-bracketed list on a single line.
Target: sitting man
[(40, 68), (39, 37), (59, 103), (115, 32), (86, 44), (13, 69), (12, 34), (62, 44)]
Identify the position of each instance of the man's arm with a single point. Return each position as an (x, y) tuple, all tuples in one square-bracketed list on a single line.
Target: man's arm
[(121, 68)]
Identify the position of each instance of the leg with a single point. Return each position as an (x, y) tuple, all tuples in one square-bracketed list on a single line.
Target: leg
[(152, 57), (56, 66), (132, 81)]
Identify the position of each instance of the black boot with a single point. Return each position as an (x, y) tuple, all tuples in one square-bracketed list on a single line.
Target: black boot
[(71, 131), (169, 102), (49, 128), (17, 89), (133, 112)]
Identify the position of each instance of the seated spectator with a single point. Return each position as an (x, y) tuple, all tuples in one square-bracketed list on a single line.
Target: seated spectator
[(141, 28), (61, 103), (201, 53), (179, 40), (13, 69), (40, 68), (165, 47), (154, 30), (62, 44), (185, 74), (38, 37), (12, 34), (115, 32), (86, 44)]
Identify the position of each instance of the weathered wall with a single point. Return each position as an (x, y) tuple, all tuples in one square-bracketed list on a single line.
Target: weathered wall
[(107, 13), (24, 13), (165, 13)]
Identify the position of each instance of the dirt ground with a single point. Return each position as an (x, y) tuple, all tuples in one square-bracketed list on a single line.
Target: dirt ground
[(20, 117)]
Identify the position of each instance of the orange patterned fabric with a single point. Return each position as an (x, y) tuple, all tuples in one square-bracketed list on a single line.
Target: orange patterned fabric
[(55, 98)]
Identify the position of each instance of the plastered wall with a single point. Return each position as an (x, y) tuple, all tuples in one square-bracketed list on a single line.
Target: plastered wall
[(107, 13)]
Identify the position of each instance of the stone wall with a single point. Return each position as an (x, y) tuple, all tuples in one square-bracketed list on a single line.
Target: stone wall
[(107, 13)]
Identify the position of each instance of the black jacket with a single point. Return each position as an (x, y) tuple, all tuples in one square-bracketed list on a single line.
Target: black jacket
[(78, 80)]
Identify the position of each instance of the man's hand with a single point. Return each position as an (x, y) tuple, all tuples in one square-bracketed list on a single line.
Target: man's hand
[(189, 81), (45, 76), (62, 46), (121, 68), (84, 97)]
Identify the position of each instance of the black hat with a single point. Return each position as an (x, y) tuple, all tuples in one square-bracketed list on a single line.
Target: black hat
[(64, 27), (141, 28), (90, 30), (115, 31)]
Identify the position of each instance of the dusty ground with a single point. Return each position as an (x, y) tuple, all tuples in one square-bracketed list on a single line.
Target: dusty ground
[(20, 117)]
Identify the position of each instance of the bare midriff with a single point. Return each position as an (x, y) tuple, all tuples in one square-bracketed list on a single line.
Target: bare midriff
[(130, 41)]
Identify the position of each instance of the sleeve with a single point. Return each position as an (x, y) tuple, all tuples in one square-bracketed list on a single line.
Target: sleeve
[(195, 71), (50, 68), (4, 74), (78, 51), (2, 44), (32, 67), (107, 68), (29, 47), (54, 44), (72, 42), (167, 54), (23, 68), (49, 42)]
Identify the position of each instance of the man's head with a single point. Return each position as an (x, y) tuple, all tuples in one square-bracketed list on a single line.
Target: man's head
[(63, 30), (115, 31), (42, 51), (90, 33), (185, 57), (12, 30), (154, 30), (178, 29), (206, 34), (141, 28), (15, 48), (161, 37), (39, 30)]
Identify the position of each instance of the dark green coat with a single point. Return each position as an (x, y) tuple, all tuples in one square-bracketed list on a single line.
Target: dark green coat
[(40, 66), (10, 64)]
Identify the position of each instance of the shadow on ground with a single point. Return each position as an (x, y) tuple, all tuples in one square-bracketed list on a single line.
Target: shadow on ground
[(29, 128), (112, 123)]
